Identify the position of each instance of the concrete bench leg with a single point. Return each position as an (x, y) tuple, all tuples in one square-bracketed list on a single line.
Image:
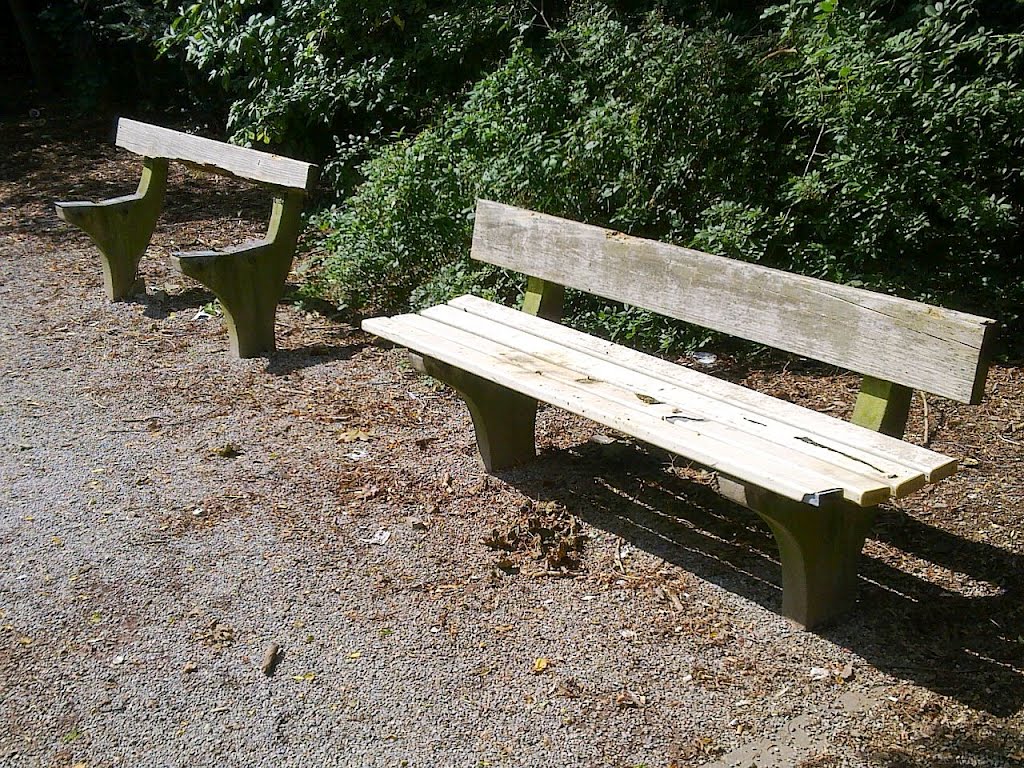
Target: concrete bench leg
[(819, 548), (121, 228), (249, 279), (504, 420)]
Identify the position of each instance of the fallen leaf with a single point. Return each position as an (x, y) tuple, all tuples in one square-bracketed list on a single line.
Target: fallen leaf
[(628, 700), (819, 673), (228, 451), (352, 435), (540, 664)]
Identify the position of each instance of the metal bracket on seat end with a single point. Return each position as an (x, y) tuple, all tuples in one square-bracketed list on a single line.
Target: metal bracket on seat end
[(815, 499)]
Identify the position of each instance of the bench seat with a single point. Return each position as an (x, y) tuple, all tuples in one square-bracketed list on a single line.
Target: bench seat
[(799, 454)]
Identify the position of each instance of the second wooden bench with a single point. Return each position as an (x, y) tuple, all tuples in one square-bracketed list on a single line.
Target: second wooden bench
[(248, 279)]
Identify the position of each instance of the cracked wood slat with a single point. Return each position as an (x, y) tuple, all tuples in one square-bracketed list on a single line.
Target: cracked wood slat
[(215, 156), (744, 427), (917, 345), (934, 466), (796, 476)]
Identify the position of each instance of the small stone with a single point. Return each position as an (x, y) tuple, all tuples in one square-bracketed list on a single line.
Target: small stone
[(190, 667), (270, 659)]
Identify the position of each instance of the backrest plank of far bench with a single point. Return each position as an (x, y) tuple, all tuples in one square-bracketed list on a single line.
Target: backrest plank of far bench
[(215, 156), (917, 345)]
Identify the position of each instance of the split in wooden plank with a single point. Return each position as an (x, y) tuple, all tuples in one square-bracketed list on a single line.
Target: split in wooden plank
[(676, 403), (934, 466), (543, 381)]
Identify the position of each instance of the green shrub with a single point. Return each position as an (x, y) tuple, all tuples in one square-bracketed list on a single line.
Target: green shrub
[(336, 76), (604, 123), (876, 150)]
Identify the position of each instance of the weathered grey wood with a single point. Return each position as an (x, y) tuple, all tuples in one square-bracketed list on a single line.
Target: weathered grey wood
[(749, 430), (215, 156), (763, 408), (798, 477), (936, 350)]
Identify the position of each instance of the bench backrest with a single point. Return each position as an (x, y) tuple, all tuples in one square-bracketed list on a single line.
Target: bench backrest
[(215, 156), (906, 342)]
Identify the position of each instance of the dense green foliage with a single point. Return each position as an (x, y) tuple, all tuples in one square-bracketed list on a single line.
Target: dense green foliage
[(578, 130), (335, 76), (836, 142), (867, 142)]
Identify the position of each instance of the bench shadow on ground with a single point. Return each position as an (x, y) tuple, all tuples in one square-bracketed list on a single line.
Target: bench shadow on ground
[(965, 647), (160, 306), (285, 361)]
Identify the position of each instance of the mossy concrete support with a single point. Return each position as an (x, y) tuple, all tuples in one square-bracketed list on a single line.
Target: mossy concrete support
[(122, 227), (882, 406), (819, 548), (249, 279), (544, 299), (504, 420)]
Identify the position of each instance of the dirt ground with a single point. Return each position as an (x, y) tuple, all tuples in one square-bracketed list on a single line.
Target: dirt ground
[(168, 512)]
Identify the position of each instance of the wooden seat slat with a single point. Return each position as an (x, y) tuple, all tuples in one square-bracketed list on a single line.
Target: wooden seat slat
[(849, 437), (730, 422), (793, 475)]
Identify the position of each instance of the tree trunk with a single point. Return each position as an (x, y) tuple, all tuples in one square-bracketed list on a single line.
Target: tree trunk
[(23, 19)]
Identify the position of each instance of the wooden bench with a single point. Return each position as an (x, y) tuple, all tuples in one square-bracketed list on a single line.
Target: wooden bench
[(249, 278), (816, 480)]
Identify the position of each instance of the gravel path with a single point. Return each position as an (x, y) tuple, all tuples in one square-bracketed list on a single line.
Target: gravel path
[(167, 513)]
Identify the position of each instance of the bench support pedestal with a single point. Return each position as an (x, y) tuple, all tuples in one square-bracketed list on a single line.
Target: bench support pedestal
[(504, 420), (882, 406), (121, 228), (819, 548), (249, 279)]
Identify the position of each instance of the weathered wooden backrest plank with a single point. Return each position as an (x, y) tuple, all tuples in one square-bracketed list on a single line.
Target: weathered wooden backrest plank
[(929, 348), (215, 156)]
